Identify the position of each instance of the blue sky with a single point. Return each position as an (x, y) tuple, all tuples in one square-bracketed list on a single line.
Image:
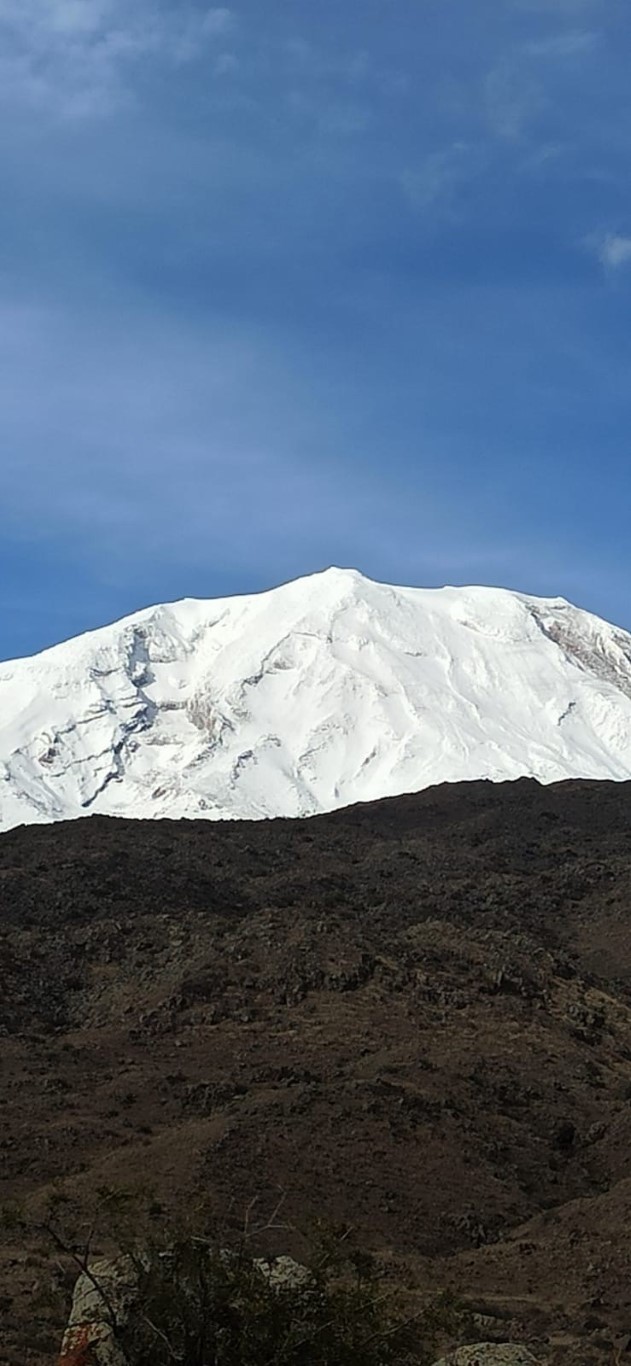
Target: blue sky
[(297, 283)]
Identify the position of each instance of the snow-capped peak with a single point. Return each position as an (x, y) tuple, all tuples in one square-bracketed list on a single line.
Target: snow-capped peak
[(328, 690)]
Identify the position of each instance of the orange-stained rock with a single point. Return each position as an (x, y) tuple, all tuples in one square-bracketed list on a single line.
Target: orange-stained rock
[(100, 1302)]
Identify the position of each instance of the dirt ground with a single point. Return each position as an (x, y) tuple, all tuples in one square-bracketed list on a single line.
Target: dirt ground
[(414, 1016)]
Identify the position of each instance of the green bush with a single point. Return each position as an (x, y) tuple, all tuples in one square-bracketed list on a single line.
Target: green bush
[(198, 1301), (197, 1306)]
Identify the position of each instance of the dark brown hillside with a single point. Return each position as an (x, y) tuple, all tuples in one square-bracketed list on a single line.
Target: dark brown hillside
[(414, 1015)]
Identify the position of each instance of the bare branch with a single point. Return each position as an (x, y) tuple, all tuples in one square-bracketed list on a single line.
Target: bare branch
[(159, 1334), (84, 1267)]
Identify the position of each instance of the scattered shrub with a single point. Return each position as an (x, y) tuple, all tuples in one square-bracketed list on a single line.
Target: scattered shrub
[(199, 1301)]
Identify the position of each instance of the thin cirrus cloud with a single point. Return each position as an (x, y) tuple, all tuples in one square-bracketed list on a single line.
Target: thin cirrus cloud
[(556, 7), (615, 250), (440, 176), (518, 90), (75, 57), (514, 97), (574, 43), (287, 284)]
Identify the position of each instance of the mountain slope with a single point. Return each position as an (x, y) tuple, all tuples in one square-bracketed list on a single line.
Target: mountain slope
[(326, 691), (412, 1016)]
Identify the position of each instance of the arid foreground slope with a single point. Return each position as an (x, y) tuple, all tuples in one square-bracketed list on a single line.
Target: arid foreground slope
[(414, 1015)]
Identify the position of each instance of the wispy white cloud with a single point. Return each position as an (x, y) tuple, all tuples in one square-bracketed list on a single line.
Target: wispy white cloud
[(351, 68), (513, 97), (518, 90), (437, 178), (573, 43), (218, 20), (225, 64), (538, 159), (75, 57), (614, 250), (58, 16), (328, 89), (555, 7)]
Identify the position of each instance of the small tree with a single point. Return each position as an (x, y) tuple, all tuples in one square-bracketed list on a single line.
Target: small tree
[(201, 1301)]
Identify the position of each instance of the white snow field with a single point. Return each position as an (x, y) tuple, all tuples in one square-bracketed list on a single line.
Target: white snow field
[(329, 690)]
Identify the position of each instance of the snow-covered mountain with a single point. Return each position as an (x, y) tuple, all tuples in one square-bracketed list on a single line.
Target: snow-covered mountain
[(329, 690)]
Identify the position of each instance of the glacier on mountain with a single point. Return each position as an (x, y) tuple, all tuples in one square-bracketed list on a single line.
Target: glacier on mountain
[(328, 690)]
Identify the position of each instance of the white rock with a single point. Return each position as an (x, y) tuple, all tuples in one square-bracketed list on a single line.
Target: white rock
[(284, 1272), (490, 1354), (100, 1301), (105, 1299)]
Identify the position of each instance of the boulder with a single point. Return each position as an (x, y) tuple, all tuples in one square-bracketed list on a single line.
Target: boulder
[(100, 1303), (490, 1354), (104, 1298), (284, 1272)]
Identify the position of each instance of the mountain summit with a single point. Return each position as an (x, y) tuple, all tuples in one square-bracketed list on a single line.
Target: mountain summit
[(329, 690)]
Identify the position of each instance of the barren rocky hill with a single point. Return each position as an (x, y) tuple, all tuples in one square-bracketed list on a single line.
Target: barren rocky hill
[(413, 1015)]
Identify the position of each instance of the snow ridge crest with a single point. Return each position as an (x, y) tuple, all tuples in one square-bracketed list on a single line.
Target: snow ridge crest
[(328, 690)]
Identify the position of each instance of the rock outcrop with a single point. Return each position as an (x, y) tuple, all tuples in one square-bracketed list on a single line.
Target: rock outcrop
[(103, 1296), (490, 1354)]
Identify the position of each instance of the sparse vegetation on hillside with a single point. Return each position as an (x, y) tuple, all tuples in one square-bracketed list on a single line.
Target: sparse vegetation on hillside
[(173, 1295), (415, 1015)]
